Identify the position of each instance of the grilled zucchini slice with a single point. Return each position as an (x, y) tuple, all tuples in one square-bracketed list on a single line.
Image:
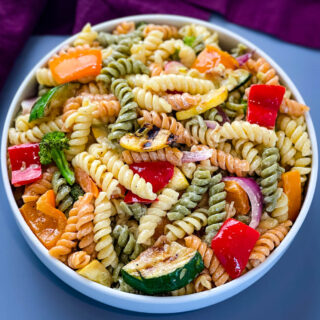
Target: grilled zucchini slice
[(163, 268), (147, 138), (236, 79)]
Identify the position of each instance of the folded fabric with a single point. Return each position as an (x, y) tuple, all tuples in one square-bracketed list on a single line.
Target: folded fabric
[(295, 21)]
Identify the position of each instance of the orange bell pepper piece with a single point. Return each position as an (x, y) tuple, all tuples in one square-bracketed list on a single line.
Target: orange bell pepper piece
[(70, 66), (239, 197), (211, 56), (291, 183), (43, 226), (86, 183), (46, 204)]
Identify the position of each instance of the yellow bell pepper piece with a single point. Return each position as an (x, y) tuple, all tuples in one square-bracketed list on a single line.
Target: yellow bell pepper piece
[(178, 181), (95, 271), (212, 99)]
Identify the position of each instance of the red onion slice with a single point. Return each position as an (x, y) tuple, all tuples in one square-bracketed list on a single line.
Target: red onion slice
[(196, 156), (211, 124), (224, 116), (253, 191), (244, 58), (28, 104)]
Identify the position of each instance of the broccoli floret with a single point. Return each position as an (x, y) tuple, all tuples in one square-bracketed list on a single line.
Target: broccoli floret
[(189, 40), (51, 148), (76, 192)]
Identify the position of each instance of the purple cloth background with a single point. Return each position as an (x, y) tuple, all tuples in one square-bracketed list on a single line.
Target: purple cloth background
[(296, 21)]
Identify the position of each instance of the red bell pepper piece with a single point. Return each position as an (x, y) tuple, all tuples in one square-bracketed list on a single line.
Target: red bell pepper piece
[(25, 163), (233, 245), (263, 104), (158, 173)]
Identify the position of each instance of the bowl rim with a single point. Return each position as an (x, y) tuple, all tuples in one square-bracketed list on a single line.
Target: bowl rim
[(141, 303)]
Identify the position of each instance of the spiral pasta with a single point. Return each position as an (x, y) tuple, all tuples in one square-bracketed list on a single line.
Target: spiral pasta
[(150, 101), (174, 82), (248, 151), (80, 122), (33, 191), (93, 88), (106, 107), (128, 112), (78, 259), (170, 123), (303, 165), (266, 223), (199, 131), (217, 207), (135, 210), (155, 213), (267, 242), (216, 270), (86, 36), (188, 289), (196, 30), (62, 190), (286, 149), (246, 130), (84, 224), (68, 240), (124, 27), (265, 73), (280, 211), (45, 77), (36, 133), (152, 41), (168, 31), (97, 171), (179, 228), (122, 172), (155, 69), (118, 68), (293, 108), (102, 230), (191, 197), (172, 155), (227, 162), (164, 50), (269, 175), (203, 281), (22, 123), (126, 246), (182, 101), (296, 133)]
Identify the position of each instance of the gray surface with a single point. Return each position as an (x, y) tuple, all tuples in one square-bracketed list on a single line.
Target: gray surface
[(289, 291)]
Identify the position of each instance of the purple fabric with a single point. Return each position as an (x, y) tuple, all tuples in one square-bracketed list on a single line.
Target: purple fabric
[(296, 21)]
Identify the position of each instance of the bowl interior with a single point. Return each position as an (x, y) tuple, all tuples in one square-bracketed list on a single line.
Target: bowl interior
[(147, 303)]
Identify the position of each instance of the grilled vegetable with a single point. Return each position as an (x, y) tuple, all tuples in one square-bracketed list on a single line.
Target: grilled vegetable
[(54, 98), (178, 181), (236, 79), (163, 268), (95, 271), (147, 138), (210, 100)]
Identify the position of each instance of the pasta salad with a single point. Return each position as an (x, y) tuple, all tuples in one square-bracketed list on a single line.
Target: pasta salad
[(153, 161)]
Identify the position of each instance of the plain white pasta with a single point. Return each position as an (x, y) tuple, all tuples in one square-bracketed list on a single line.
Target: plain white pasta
[(80, 122), (179, 228), (281, 210), (86, 36), (155, 213), (138, 52), (152, 41), (137, 80), (188, 289), (130, 180), (286, 149), (252, 132), (22, 123), (186, 55), (44, 77), (296, 131), (102, 230), (150, 101), (199, 31), (98, 172), (303, 165), (174, 82), (36, 133), (247, 150)]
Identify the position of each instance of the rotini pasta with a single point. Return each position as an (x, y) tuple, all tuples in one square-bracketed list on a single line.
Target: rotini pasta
[(86, 36)]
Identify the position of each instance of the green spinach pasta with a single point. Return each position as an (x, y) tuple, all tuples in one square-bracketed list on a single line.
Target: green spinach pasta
[(148, 163)]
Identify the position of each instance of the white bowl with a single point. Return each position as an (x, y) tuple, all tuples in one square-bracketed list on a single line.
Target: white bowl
[(141, 303)]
